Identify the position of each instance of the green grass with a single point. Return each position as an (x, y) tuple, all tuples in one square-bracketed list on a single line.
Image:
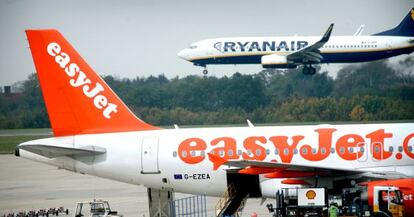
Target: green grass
[(8, 143)]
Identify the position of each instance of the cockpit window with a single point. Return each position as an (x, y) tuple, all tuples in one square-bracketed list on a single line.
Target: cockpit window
[(193, 46)]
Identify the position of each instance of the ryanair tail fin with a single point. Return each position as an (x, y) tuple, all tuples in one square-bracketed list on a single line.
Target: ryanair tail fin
[(77, 99), (405, 28)]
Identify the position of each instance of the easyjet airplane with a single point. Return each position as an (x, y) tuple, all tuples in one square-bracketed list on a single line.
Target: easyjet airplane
[(95, 133), (291, 52)]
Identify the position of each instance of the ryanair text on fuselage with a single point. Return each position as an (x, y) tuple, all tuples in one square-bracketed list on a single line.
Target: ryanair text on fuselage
[(250, 46)]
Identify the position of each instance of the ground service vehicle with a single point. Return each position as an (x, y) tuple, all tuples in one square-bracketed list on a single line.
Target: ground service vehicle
[(371, 200), (95, 208), (300, 202)]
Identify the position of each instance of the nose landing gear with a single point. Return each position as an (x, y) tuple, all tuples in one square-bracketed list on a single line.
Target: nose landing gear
[(205, 71)]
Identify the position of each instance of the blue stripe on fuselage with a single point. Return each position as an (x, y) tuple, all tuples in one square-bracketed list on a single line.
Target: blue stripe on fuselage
[(334, 57)]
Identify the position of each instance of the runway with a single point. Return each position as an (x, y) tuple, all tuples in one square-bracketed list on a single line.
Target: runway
[(27, 185)]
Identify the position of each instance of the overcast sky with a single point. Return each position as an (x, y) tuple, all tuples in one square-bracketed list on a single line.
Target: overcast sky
[(141, 38)]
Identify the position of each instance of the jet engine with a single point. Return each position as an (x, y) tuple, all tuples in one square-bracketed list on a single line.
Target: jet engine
[(276, 61)]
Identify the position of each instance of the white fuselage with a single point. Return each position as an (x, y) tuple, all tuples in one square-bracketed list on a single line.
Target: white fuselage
[(177, 158), (339, 49)]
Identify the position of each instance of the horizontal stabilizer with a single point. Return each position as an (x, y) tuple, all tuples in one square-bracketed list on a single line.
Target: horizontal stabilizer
[(51, 151)]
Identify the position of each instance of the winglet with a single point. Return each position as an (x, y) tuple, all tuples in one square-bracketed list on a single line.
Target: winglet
[(327, 34), (217, 160)]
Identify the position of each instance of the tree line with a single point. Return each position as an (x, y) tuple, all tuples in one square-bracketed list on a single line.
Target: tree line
[(375, 91)]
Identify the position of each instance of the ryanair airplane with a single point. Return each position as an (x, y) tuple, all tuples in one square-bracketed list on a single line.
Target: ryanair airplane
[(291, 52)]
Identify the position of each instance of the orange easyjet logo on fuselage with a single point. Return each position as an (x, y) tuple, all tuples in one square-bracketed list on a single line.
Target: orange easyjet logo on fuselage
[(348, 147), (80, 80)]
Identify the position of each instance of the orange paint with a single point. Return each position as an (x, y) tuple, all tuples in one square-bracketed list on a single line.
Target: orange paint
[(217, 160), (346, 142), (188, 146), (348, 147), (258, 152), (257, 170), (295, 182), (78, 101), (377, 143), (324, 146), (286, 151), (406, 144), (229, 145)]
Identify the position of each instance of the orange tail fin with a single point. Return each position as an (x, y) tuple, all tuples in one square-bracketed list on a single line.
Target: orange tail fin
[(78, 100)]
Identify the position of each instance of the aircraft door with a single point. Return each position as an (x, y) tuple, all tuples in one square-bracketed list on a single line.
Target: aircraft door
[(389, 46), (362, 152), (149, 155)]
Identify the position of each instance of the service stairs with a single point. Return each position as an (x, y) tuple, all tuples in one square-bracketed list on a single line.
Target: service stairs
[(232, 203)]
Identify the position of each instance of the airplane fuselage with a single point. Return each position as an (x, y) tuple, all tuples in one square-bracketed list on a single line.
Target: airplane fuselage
[(339, 49), (177, 158)]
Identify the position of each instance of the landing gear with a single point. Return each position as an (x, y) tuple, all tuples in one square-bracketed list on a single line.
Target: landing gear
[(205, 71), (308, 70)]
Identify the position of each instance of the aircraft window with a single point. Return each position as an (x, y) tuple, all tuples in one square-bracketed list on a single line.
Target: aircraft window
[(376, 149), (174, 154), (323, 150), (342, 150), (230, 152), (391, 149), (332, 150), (258, 152), (193, 153), (276, 151), (400, 148), (410, 148), (267, 151), (249, 152), (239, 152), (313, 150), (304, 151), (184, 153), (202, 153), (361, 149), (221, 153), (286, 151), (193, 47), (295, 151), (351, 149)]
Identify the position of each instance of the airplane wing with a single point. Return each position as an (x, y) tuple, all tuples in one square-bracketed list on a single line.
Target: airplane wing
[(359, 30), (50, 151), (311, 54), (284, 170)]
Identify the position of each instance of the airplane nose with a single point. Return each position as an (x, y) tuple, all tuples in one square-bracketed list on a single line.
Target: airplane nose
[(183, 54)]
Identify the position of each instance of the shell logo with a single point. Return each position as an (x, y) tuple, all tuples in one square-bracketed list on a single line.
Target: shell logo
[(311, 194)]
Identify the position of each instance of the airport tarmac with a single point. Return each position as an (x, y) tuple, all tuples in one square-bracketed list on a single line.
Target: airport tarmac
[(26, 185)]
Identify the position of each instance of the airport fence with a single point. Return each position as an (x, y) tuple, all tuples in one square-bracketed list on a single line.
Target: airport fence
[(189, 206)]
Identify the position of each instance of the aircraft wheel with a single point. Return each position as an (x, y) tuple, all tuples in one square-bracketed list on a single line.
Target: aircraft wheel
[(312, 70), (306, 70), (205, 72)]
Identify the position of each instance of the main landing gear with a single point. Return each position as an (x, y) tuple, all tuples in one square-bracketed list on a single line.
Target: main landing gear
[(308, 70)]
